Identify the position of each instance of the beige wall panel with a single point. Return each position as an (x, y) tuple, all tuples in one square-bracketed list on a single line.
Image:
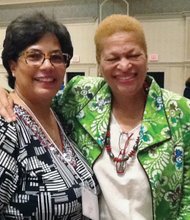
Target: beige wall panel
[(187, 41), (83, 41), (174, 76), (175, 79), (186, 72), (3, 80), (3, 75), (166, 37), (2, 35)]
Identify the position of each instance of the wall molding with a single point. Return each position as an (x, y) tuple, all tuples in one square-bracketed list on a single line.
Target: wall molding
[(18, 2), (161, 16)]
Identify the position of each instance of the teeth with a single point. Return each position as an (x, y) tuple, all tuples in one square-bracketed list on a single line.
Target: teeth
[(124, 78), (45, 79)]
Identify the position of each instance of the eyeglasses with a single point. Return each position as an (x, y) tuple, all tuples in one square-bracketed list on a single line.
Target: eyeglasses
[(37, 58)]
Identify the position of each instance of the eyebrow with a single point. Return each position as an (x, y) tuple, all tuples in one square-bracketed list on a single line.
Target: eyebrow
[(37, 50)]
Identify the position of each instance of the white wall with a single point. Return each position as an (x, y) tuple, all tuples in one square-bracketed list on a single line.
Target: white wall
[(82, 36), (166, 37), (169, 37), (3, 79)]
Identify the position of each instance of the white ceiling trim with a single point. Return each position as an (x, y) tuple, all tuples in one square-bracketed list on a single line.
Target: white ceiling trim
[(13, 2)]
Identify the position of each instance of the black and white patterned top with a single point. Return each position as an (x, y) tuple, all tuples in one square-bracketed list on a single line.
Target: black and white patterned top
[(37, 181)]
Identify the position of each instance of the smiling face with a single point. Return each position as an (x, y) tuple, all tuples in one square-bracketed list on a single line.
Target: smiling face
[(123, 64), (39, 83)]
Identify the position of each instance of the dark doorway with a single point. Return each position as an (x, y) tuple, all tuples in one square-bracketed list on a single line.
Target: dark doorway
[(159, 77), (70, 75)]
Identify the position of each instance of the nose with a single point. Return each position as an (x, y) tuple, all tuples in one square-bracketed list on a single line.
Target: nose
[(124, 64), (47, 62)]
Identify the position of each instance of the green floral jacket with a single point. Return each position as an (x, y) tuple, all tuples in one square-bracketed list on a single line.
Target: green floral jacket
[(164, 149)]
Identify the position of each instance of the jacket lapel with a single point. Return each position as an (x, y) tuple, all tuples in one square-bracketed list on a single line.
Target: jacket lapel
[(155, 127), (96, 115)]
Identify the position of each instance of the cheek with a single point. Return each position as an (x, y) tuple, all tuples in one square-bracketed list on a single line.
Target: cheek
[(22, 70), (143, 67), (24, 76), (61, 73), (107, 76), (105, 69)]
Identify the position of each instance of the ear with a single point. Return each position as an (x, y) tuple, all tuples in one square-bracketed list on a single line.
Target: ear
[(13, 65), (99, 73)]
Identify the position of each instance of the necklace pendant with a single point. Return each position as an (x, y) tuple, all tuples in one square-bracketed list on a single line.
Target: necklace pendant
[(120, 167), (121, 164)]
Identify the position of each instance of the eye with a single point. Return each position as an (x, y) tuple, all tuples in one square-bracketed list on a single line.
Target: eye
[(134, 57), (34, 56), (111, 59), (57, 58)]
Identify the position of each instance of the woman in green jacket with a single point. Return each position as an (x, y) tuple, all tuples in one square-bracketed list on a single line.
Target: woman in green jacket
[(135, 135)]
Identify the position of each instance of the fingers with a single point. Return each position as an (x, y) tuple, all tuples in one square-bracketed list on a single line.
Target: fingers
[(6, 106)]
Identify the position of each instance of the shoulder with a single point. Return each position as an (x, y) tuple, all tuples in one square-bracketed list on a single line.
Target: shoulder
[(175, 102), (12, 131), (79, 92), (167, 94), (171, 101), (8, 140), (92, 83), (79, 87), (7, 128), (84, 88)]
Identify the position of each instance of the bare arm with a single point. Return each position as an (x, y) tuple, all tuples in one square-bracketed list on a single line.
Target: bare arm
[(6, 106)]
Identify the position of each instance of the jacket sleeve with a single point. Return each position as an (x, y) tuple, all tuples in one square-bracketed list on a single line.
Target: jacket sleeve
[(184, 212), (8, 162)]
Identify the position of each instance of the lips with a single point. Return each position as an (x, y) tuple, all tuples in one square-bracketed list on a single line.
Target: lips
[(126, 78), (45, 79)]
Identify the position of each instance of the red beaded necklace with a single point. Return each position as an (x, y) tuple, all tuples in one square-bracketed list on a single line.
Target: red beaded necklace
[(122, 158)]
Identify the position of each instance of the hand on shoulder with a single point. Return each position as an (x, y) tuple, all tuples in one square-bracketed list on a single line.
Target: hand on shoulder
[(6, 105)]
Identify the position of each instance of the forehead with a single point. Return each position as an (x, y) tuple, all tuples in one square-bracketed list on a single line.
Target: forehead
[(121, 41), (123, 37), (46, 43)]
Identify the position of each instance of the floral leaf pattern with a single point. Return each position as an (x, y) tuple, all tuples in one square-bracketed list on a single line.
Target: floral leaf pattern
[(164, 148)]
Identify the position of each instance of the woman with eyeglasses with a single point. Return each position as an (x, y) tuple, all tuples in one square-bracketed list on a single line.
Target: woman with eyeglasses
[(135, 135), (42, 174)]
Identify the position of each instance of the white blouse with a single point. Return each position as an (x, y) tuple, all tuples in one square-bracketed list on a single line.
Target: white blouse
[(125, 196)]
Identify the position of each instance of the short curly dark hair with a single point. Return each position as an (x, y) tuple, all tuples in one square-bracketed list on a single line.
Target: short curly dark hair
[(26, 30), (187, 82)]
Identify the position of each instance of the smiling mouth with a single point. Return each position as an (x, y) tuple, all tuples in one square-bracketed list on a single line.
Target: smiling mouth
[(126, 78), (45, 79)]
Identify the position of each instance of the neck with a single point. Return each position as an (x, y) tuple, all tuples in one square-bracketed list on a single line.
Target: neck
[(44, 117), (129, 111), (41, 110)]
